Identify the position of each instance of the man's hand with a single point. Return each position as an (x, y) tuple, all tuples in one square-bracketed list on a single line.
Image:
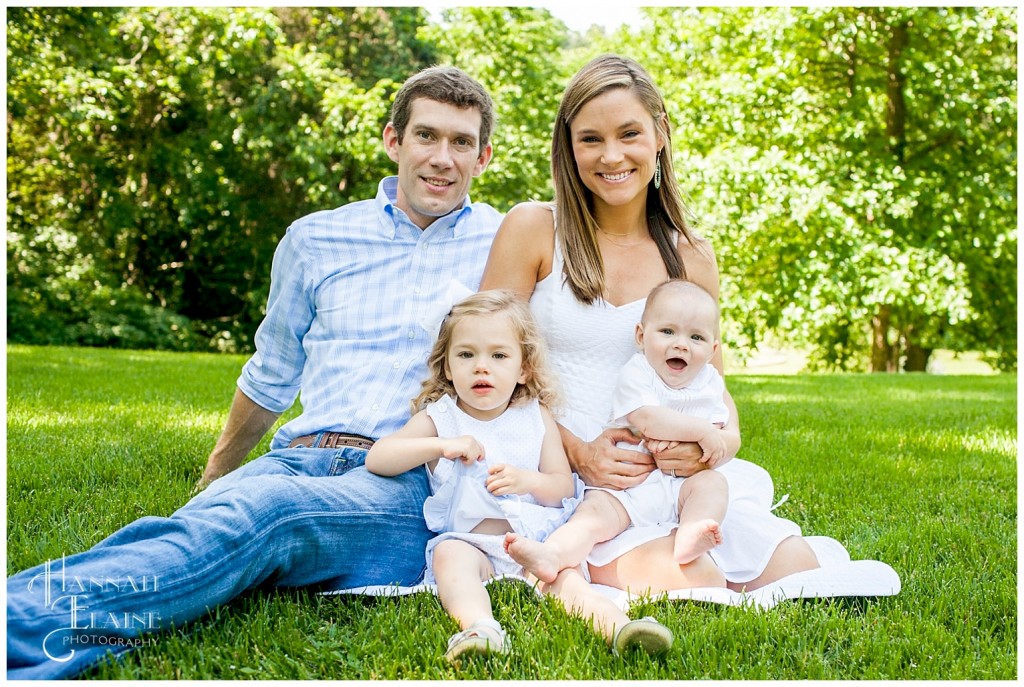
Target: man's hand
[(600, 463), (200, 484), (246, 424)]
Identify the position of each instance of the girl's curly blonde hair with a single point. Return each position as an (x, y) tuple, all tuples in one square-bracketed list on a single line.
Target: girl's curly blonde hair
[(540, 380)]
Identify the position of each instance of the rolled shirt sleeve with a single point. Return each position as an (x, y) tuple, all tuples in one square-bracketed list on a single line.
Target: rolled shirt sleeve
[(272, 376)]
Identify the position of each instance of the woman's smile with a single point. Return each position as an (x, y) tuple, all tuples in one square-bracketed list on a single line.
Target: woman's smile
[(617, 177)]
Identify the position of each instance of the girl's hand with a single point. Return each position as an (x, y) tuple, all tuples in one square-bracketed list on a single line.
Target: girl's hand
[(505, 479), (464, 448)]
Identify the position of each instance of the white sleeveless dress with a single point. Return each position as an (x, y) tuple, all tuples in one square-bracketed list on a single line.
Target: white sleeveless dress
[(460, 499), (589, 345)]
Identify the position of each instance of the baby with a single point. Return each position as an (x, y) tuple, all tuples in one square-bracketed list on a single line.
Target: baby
[(669, 393)]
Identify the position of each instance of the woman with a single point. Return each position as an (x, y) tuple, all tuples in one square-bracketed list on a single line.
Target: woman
[(616, 230)]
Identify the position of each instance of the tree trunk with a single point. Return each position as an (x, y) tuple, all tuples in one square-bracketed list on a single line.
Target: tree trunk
[(896, 110), (917, 358), (917, 355), (885, 356), (881, 349)]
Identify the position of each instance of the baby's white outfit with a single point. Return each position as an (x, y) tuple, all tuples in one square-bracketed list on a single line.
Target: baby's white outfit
[(459, 498), (655, 501), (588, 347)]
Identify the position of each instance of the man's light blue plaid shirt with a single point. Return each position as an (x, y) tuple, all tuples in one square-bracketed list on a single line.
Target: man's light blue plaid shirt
[(349, 290)]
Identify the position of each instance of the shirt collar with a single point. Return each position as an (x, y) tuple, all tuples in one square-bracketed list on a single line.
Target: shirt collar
[(450, 224)]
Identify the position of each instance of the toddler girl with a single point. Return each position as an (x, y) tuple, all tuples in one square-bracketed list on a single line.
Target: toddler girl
[(496, 464)]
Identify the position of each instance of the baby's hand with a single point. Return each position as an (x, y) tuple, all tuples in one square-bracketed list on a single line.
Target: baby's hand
[(656, 446), (713, 446), (505, 479), (464, 448)]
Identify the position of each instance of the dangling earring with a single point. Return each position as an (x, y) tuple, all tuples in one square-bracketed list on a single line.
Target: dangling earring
[(657, 171)]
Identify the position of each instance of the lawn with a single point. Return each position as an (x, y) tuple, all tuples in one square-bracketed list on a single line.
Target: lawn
[(917, 471)]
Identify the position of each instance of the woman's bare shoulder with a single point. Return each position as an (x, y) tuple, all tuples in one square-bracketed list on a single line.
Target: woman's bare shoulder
[(531, 215), (696, 247), (522, 250), (529, 227), (699, 260)]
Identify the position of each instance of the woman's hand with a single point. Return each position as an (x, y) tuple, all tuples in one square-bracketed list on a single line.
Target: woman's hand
[(600, 463), (682, 461)]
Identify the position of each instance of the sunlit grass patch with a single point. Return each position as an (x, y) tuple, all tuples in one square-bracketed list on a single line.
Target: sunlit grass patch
[(917, 471)]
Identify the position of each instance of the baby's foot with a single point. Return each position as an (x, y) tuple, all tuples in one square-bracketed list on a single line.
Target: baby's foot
[(534, 556), (696, 538)]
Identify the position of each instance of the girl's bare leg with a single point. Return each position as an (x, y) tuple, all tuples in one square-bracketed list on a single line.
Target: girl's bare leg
[(703, 500), (650, 568), (598, 518), (581, 599), (460, 570)]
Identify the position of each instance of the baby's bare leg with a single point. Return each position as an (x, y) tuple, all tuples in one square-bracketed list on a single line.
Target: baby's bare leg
[(703, 500), (598, 518)]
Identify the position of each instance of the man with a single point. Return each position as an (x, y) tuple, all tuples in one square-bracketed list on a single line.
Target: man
[(349, 289)]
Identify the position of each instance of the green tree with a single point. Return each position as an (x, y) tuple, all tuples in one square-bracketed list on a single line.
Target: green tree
[(156, 156), (856, 169), (516, 53)]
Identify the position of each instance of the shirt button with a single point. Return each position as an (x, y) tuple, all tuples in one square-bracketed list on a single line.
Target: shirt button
[(412, 334), (397, 365), (376, 406)]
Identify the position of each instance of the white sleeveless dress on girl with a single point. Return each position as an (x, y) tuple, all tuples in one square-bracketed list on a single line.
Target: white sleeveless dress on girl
[(460, 499), (588, 346)]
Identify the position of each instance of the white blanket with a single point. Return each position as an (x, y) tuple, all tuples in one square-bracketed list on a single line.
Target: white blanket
[(837, 576)]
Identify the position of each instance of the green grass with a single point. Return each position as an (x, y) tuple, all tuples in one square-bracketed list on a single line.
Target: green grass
[(917, 471)]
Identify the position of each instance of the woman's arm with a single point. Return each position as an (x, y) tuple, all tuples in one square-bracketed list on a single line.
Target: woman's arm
[(417, 443), (520, 257), (522, 250)]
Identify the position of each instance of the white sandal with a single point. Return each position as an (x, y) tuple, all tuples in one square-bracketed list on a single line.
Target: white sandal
[(481, 638), (645, 633)]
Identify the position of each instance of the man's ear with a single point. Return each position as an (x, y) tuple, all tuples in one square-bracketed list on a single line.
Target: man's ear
[(391, 141), (483, 160)]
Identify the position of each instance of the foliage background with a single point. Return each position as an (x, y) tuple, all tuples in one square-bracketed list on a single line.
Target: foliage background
[(855, 168)]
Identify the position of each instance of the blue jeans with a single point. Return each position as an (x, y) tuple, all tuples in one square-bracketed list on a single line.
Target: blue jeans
[(291, 518)]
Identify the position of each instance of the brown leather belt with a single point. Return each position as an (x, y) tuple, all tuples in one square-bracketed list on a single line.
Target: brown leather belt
[(332, 440)]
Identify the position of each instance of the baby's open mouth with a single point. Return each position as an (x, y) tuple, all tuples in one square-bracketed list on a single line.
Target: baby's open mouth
[(677, 364)]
